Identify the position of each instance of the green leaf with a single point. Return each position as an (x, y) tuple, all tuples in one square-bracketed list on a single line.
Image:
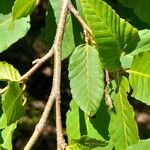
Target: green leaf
[(77, 147), (72, 34), (95, 127), (90, 142), (8, 72), (127, 3), (140, 77), (23, 8), (3, 121), (73, 122), (6, 136), (12, 103), (123, 128), (142, 145), (12, 32), (6, 6), (140, 7), (112, 34), (144, 43), (142, 46), (86, 78)]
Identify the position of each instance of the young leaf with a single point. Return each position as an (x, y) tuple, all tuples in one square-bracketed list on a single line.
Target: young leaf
[(6, 136), (123, 128), (142, 145), (12, 103), (8, 72), (23, 8), (83, 125), (10, 33), (140, 77), (112, 34), (86, 78)]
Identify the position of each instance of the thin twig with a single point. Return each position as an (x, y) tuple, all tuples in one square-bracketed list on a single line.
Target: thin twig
[(36, 66), (79, 18), (57, 74), (108, 99), (55, 92), (40, 126)]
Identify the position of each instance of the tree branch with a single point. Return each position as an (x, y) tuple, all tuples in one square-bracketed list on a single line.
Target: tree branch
[(55, 92), (37, 65), (108, 99), (79, 18), (57, 74)]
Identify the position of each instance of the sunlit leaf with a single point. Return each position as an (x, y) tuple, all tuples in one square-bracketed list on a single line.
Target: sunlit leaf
[(12, 32), (142, 145), (142, 46), (12, 103), (112, 34), (8, 72), (140, 77), (123, 128), (86, 78), (6, 135), (23, 8)]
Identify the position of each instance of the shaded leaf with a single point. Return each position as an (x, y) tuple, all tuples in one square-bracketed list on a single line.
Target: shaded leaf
[(10, 33), (8, 72), (123, 128), (12, 103), (83, 125), (142, 145), (112, 34), (6, 6), (90, 142), (140, 77), (72, 34), (86, 78), (23, 8), (141, 8)]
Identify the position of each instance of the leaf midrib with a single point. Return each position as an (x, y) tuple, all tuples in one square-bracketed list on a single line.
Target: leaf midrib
[(134, 72)]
